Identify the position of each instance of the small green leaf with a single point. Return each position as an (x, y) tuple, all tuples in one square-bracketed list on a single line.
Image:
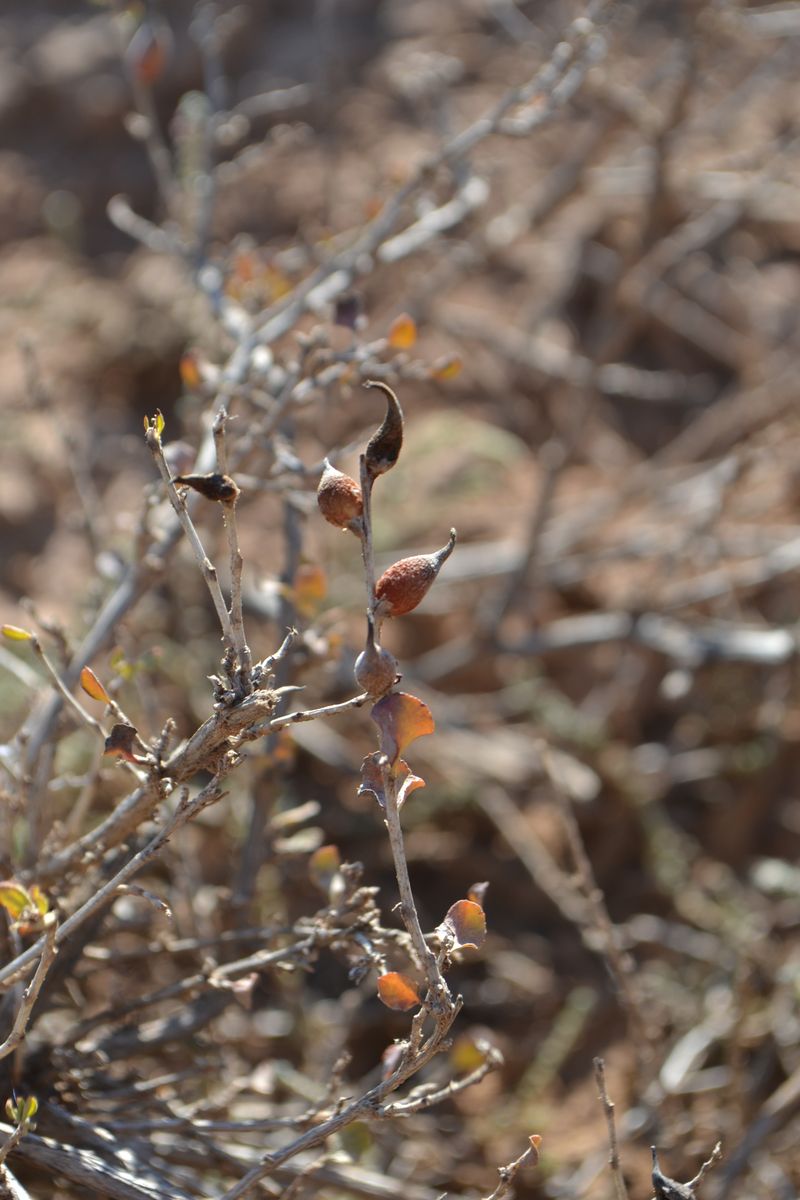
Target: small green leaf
[(30, 1107)]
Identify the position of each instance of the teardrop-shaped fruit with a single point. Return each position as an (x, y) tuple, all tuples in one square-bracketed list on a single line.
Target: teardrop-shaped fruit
[(375, 669), (339, 499), (403, 585)]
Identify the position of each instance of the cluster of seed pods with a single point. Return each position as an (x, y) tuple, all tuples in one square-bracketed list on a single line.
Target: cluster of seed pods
[(404, 584)]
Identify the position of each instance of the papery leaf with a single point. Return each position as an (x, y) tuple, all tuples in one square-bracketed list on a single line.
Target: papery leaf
[(323, 866), (535, 1140), (446, 368), (372, 778), (402, 332), (401, 718), (408, 783), (121, 742), (477, 893), (15, 634), (213, 486), (190, 371), (14, 898), (93, 687), (310, 589), (398, 992), (466, 924)]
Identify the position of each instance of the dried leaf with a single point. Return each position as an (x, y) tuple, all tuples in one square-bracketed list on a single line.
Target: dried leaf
[(212, 486), (93, 687), (402, 332), (310, 589), (408, 782), (190, 371), (15, 634), (477, 893), (372, 778), (121, 742), (400, 719), (446, 368), (398, 992), (465, 924), (323, 866)]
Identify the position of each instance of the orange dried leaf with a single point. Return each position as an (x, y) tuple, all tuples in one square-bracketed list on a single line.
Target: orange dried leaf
[(401, 718), (466, 924), (14, 898), (93, 687), (446, 368), (323, 865), (15, 634), (310, 589), (398, 992), (190, 371), (402, 332)]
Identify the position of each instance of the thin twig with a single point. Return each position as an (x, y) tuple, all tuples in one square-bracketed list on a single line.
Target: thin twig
[(438, 991), (31, 992), (206, 566), (608, 1109), (619, 961), (239, 639)]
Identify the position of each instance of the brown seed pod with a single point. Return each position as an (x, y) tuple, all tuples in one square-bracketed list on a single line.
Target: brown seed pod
[(375, 669), (383, 448), (402, 586), (339, 499), (212, 486)]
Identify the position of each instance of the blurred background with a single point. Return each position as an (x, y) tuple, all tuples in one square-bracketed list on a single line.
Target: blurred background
[(595, 342)]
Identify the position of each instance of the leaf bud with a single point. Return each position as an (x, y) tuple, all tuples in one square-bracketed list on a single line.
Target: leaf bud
[(402, 586), (339, 499)]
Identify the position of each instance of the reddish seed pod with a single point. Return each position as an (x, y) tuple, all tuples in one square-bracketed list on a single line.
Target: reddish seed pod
[(403, 585), (339, 499)]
